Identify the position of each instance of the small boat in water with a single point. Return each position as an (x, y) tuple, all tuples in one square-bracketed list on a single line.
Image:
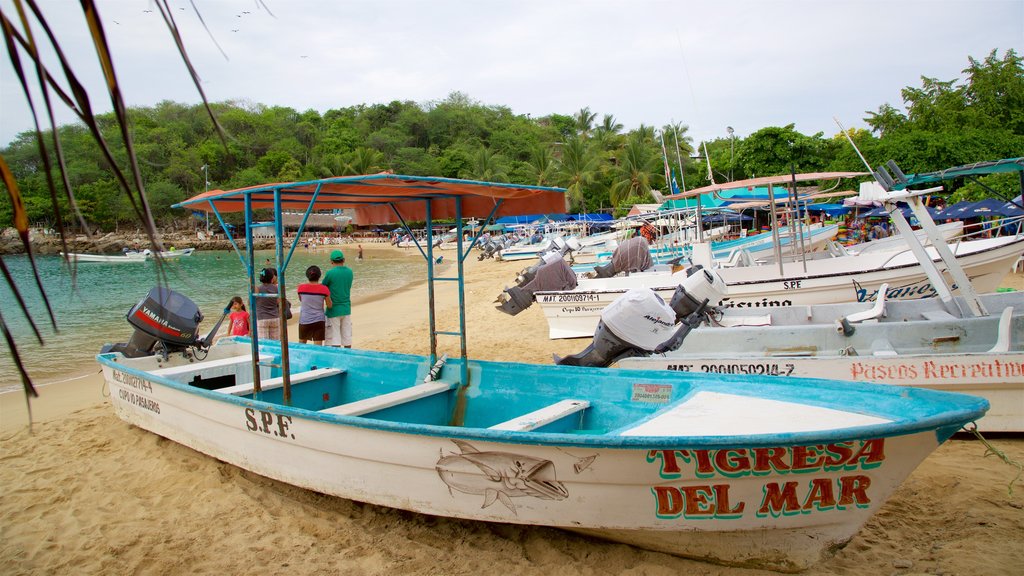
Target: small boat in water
[(752, 471), (172, 253), (107, 258)]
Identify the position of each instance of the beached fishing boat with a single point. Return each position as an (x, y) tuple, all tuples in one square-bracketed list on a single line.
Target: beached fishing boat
[(107, 258), (697, 465), (910, 343), (972, 344), (852, 278)]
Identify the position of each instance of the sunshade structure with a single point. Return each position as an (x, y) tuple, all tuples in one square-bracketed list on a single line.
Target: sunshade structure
[(981, 209), (376, 199), (388, 198), (967, 170)]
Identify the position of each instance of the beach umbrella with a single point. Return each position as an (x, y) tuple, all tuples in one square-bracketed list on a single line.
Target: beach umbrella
[(954, 211), (990, 207)]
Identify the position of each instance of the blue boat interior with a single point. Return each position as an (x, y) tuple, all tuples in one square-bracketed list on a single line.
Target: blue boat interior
[(329, 383)]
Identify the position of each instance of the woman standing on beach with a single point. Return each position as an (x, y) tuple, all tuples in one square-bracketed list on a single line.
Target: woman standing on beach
[(268, 317)]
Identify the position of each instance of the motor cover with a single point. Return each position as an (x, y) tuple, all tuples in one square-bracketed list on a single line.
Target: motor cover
[(641, 318)]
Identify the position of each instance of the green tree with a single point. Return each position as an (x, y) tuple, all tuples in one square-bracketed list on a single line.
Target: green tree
[(543, 165), (635, 171), (578, 170), (487, 166)]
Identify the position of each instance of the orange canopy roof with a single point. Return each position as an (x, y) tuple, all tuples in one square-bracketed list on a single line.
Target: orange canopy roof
[(372, 196)]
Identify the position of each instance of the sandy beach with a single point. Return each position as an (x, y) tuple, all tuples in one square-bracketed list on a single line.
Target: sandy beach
[(85, 493)]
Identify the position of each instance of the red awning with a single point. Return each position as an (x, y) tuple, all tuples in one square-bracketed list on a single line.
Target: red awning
[(372, 197)]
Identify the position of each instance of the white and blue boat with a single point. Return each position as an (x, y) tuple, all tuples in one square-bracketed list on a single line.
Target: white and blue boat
[(752, 471)]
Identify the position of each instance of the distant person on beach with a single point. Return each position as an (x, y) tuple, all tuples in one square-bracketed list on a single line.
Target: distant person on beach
[(313, 298), (268, 317), (338, 281), (360, 256), (238, 317)]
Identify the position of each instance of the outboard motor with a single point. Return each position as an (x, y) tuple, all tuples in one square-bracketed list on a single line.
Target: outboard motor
[(633, 255), (165, 322), (552, 273), (639, 323)]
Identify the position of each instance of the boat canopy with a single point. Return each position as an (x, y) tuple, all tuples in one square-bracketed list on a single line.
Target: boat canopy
[(975, 169), (387, 198)]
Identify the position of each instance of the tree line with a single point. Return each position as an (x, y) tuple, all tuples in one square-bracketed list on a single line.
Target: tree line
[(604, 167)]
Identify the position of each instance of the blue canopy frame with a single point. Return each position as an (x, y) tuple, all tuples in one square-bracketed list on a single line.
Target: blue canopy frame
[(374, 196)]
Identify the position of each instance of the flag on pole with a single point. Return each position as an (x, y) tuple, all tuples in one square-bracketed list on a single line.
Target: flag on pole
[(664, 158)]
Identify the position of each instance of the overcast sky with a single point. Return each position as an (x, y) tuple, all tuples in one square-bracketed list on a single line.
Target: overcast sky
[(707, 64)]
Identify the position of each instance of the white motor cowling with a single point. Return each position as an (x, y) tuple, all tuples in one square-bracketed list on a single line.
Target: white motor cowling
[(639, 322), (641, 318)]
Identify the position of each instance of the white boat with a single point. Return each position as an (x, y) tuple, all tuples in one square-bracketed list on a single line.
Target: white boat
[(168, 254), (972, 344), (910, 343), (525, 250), (106, 258), (853, 278), (704, 466)]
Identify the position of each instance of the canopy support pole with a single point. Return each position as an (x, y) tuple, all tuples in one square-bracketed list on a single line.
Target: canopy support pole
[(429, 256), (286, 381), (251, 269), (465, 254), (224, 227), (462, 291), (776, 240)]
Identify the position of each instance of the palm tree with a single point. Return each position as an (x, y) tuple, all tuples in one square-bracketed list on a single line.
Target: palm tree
[(488, 166), (585, 121), (608, 133), (543, 164), (363, 161), (644, 133), (632, 175), (579, 169)]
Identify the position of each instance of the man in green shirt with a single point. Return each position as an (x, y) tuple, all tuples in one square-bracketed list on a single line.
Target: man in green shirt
[(339, 316)]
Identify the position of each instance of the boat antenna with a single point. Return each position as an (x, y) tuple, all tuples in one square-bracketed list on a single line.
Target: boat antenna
[(855, 149)]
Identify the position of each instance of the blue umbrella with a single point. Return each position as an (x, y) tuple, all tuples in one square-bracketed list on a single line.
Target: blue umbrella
[(991, 207)]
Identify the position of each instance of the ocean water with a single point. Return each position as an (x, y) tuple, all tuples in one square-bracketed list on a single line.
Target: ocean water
[(93, 313)]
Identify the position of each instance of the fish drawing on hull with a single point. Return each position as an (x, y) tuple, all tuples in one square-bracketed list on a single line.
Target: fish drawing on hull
[(499, 475)]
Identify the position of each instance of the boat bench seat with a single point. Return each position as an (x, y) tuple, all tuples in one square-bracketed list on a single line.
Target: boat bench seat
[(543, 417), (273, 383), (391, 399), (206, 366)]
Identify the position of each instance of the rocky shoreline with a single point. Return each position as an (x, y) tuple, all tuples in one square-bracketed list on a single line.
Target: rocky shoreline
[(115, 242)]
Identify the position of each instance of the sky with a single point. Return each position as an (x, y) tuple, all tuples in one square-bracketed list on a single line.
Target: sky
[(707, 64)]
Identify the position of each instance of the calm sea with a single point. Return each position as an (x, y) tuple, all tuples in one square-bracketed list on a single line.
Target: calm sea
[(93, 314)]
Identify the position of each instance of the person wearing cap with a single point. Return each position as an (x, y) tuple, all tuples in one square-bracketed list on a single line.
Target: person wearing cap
[(338, 328)]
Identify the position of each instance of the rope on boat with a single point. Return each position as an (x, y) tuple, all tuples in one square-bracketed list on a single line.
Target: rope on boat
[(992, 450)]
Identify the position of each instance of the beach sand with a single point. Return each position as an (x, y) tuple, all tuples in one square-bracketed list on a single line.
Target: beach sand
[(85, 493)]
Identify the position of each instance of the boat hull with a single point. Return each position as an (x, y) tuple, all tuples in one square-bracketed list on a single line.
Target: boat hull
[(108, 259), (782, 501)]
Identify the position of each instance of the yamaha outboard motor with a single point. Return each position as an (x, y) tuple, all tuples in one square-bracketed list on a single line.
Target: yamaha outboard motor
[(633, 255), (639, 322), (553, 273), (165, 322)]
